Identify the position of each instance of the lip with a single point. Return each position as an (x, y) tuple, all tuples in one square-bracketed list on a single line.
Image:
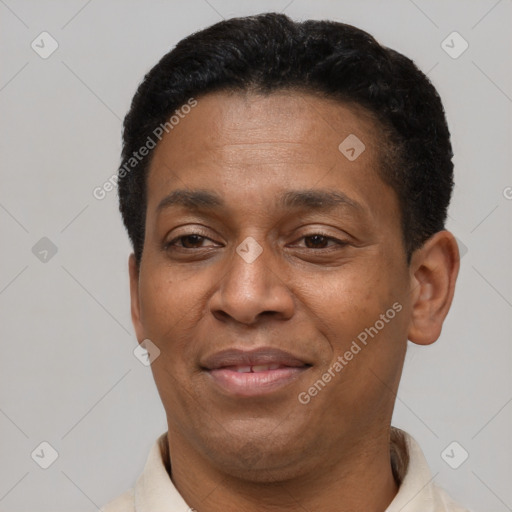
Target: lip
[(251, 373)]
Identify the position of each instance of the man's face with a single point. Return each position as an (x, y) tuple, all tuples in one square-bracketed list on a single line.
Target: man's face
[(327, 272)]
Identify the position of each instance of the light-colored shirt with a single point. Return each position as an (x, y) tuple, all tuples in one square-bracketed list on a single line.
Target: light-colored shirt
[(154, 490)]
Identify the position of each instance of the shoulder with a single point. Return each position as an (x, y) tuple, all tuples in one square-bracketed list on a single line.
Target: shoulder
[(417, 492), (153, 469), (123, 503), (447, 502)]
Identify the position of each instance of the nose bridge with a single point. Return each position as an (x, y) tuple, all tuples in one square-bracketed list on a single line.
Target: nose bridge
[(252, 264), (249, 275), (250, 285)]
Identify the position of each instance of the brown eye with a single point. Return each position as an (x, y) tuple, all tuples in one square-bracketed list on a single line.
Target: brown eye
[(191, 241), (316, 241)]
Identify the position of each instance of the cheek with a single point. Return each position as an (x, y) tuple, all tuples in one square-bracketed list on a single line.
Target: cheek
[(165, 303), (364, 321), (172, 310), (352, 302), (375, 340)]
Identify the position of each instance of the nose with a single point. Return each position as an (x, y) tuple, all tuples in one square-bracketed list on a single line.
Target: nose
[(252, 289)]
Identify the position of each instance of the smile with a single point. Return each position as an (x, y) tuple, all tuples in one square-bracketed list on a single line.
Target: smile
[(255, 368), (253, 373)]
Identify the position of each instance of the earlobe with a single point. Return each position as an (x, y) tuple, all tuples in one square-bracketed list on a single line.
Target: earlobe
[(434, 269), (134, 297)]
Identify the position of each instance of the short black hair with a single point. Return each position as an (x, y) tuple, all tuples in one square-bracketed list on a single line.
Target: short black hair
[(270, 52)]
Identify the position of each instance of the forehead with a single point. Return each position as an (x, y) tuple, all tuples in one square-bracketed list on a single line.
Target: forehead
[(255, 133), (282, 126), (253, 148)]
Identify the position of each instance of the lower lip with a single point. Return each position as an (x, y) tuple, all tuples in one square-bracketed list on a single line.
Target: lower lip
[(245, 384)]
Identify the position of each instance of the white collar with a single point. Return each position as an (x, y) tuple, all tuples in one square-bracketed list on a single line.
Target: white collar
[(154, 490)]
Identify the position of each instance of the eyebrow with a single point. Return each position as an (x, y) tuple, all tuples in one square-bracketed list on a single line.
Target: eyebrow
[(314, 199)]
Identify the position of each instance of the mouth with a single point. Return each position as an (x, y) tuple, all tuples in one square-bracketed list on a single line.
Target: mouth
[(253, 373)]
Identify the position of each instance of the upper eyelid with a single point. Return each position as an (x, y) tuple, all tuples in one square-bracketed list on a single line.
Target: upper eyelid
[(185, 235), (337, 241), (314, 233)]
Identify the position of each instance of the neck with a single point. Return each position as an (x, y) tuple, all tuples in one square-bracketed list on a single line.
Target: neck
[(366, 479)]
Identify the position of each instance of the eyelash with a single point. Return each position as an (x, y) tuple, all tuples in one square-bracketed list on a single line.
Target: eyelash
[(172, 244)]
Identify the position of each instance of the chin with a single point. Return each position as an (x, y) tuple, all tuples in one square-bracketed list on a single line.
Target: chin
[(265, 459)]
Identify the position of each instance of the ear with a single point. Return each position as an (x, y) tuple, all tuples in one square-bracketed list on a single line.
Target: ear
[(434, 268), (134, 298)]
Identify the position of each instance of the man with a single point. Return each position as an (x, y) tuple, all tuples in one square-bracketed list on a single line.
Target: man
[(285, 188)]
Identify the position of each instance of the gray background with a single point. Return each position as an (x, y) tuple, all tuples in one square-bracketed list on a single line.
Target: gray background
[(68, 375)]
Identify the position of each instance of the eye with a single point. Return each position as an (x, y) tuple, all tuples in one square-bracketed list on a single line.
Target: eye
[(188, 241), (193, 241), (321, 241)]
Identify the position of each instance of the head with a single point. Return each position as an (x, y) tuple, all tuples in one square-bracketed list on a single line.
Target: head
[(291, 196)]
